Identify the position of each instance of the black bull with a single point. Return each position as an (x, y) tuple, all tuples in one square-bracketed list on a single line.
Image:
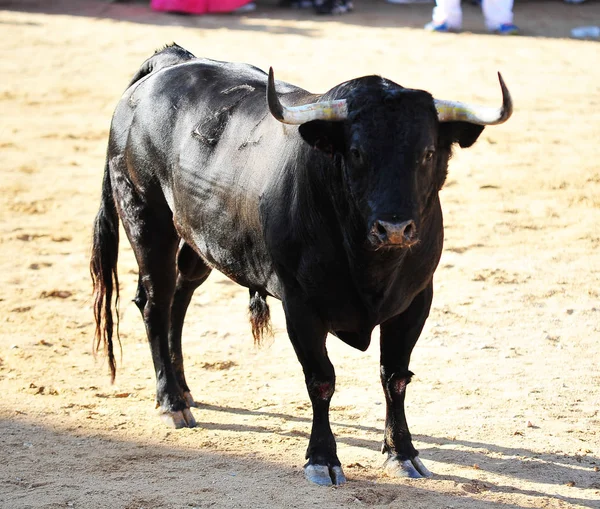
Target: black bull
[(326, 202)]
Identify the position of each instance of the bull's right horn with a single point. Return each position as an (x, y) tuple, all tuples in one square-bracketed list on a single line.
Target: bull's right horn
[(450, 111), (325, 110)]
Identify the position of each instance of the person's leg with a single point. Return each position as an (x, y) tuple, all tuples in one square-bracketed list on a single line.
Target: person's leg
[(447, 12), (498, 14)]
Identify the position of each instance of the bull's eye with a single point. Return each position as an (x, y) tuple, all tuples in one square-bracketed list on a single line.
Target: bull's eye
[(356, 155), (428, 156)]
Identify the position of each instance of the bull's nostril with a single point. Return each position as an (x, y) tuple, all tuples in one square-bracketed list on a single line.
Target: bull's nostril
[(380, 229), (410, 231)]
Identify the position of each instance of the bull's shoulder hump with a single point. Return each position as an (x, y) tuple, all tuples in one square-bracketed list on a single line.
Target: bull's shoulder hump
[(220, 76), (207, 71)]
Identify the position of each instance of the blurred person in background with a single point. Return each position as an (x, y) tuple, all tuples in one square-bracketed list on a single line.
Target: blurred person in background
[(321, 6), (498, 15), (203, 6)]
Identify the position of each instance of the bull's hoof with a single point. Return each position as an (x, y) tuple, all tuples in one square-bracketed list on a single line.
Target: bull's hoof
[(412, 468), (181, 419), (189, 399), (324, 475)]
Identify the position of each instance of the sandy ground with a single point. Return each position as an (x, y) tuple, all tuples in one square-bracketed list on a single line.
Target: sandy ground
[(505, 403)]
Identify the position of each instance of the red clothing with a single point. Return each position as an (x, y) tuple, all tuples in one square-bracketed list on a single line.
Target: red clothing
[(197, 6)]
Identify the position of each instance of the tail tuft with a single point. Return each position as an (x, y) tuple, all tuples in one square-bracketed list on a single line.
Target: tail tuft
[(260, 316), (103, 269)]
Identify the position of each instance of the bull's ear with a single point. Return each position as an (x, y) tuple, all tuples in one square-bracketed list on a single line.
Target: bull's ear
[(326, 136), (463, 133)]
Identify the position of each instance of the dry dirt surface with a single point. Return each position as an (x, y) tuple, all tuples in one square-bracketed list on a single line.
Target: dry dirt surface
[(505, 403)]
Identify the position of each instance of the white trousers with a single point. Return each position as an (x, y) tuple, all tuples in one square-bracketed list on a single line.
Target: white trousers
[(495, 13)]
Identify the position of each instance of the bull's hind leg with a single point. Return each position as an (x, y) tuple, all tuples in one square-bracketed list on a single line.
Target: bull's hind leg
[(192, 272), (154, 242), (308, 333), (398, 338)]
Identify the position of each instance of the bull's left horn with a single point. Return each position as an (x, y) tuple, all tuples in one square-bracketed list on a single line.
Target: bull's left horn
[(449, 111), (325, 110)]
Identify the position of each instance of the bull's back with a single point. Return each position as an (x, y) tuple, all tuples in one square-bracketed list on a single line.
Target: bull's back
[(196, 118), (200, 135)]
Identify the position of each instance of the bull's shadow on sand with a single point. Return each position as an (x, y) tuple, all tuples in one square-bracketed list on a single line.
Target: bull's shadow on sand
[(517, 462), (101, 471), (536, 18)]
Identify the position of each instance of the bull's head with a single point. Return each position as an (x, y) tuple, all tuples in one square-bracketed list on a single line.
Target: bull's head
[(394, 145)]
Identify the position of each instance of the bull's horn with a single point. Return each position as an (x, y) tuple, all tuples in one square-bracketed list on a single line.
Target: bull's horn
[(325, 110), (449, 111)]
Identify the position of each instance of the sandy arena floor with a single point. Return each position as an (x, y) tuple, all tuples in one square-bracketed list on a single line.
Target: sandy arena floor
[(506, 399)]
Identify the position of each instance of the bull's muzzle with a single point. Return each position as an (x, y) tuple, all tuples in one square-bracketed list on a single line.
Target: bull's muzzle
[(393, 234)]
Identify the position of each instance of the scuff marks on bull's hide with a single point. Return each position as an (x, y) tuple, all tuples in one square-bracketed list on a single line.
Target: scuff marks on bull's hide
[(210, 130), (252, 138), (245, 86)]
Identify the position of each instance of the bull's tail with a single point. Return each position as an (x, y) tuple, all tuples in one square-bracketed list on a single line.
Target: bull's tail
[(103, 269), (260, 316), (171, 54), (105, 244)]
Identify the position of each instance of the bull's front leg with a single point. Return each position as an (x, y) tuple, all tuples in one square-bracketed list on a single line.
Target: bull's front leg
[(398, 337), (308, 334)]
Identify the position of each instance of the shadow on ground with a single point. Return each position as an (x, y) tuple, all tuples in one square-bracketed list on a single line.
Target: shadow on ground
[(559, 469), (100, 471)]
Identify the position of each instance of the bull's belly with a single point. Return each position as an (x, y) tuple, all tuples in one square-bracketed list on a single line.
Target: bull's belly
[(247, 267)]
